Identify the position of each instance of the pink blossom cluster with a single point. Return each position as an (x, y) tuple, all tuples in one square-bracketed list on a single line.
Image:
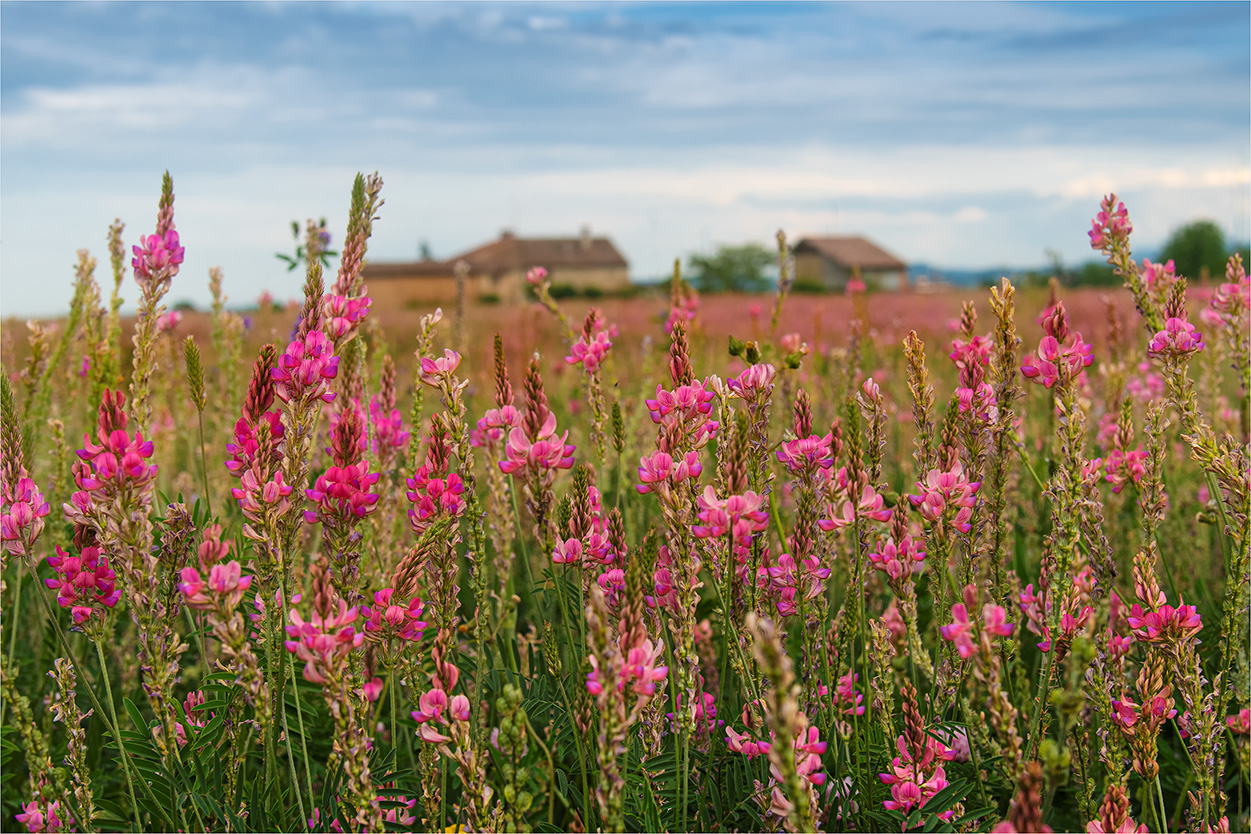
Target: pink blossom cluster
[(39, 819), (944, 491), (343, 314), (661, 472), (638, 669), (803, 456), (961, 631), (341, 495), (192, 716), (118, 464), (1125, 467), (387, 618), (594, 342), (1232, 299), (683, 311), (437, 371), (739, 516), (789, 582), (256, 499), (434, 705), (168, 322), (1159, 277), (1178, 339), (543, 453), (494, 427), (24, 512), (1056, 358), (434, 494), (898, 559), (869, 504), (847, 696), (1166, 624), (1111, 224), (84, 583), (1151, 714), (684, 412), (224, 590), (1074, 614), (1147, 387), (246, 445), (304, 370), (974, 351), (666, 595), (916, 776), (593, 547), (754, 383), (157, 258), (324, 642), (388, 427)]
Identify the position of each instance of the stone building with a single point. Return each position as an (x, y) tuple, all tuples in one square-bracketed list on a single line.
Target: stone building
[(830, 261), (496, 271)]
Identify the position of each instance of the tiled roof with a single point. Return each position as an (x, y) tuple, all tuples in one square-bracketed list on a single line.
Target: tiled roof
[(851, 252)]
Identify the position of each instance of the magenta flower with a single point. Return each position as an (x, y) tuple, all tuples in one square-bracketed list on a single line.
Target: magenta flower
[(871, 506), (1165, 625), (37, 819), (341, 495), (1110, 224), (685, 411), (24, 512), (388, 428), (1053, 358), (84, 583), (495, 426), (343, 314), (245, 448), (897, 560), (753, 382), (323, 643), (659, 471), (590, 352), (223, 591), (802, 457), (434, 497), (960, 631), (547, 451), (157, 258), (304, 369), (537, 275), (388, 619), (1125, 467), (435, 371), (974, 351), (1178, 339), (942, 490), (1164, 275), (169, 322), (745, 744)]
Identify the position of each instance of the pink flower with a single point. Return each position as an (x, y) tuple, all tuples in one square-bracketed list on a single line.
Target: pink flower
[(685, 411), (590, 352), (168, 322), (897, 560), (1053, 359), (323, 644), (36, 819), (157, 258), (1125, 467), (343, 314), (23, 515), (1240, 724), (495, 426), (1166, 625), (305, 367), (745, 744), (1111, 224), (435, 371), (1178, 338), (660, 471), (547, 451), (804, 456), (871, 505), (754, 382), (341, 495), (960, 631), (1164, 275), (388, 428), (942, 490), (434, 497), (536, 276), (223, 591), (387, 619), (84, 583)]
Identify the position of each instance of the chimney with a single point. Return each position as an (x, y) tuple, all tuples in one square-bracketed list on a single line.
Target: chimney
[(507, 234), (586, 238)]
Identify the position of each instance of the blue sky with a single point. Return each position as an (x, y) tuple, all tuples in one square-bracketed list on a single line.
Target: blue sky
[(964, 135)]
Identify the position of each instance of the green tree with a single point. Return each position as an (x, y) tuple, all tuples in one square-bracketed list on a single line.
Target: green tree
[(732, 269), (1195, 247)]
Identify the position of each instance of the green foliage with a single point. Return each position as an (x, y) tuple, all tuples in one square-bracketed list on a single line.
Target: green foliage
[(1197, 247), (731, 269)]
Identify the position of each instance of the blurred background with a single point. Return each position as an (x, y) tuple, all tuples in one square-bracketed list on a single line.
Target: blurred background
[(963, 139)]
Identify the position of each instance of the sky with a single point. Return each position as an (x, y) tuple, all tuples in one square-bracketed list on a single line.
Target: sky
[(965, 135)]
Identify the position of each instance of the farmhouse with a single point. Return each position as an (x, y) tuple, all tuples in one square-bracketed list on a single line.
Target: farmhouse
[(497, 271), (830, 261)]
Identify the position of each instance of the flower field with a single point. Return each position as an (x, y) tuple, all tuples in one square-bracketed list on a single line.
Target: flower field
[(785, 563)]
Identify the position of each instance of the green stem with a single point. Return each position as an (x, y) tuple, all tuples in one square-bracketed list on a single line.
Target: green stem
[(208, 497), (17, 610), (1159, 791), (117, 736)]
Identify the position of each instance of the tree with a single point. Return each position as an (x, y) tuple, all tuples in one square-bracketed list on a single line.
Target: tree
[(732, 269), (1195, 247)]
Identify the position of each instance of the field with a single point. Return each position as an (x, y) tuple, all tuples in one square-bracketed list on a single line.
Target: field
[(965, 561)]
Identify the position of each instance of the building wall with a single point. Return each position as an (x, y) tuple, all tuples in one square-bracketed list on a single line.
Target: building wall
[(409, 292), (811, 266), (608, 279)]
